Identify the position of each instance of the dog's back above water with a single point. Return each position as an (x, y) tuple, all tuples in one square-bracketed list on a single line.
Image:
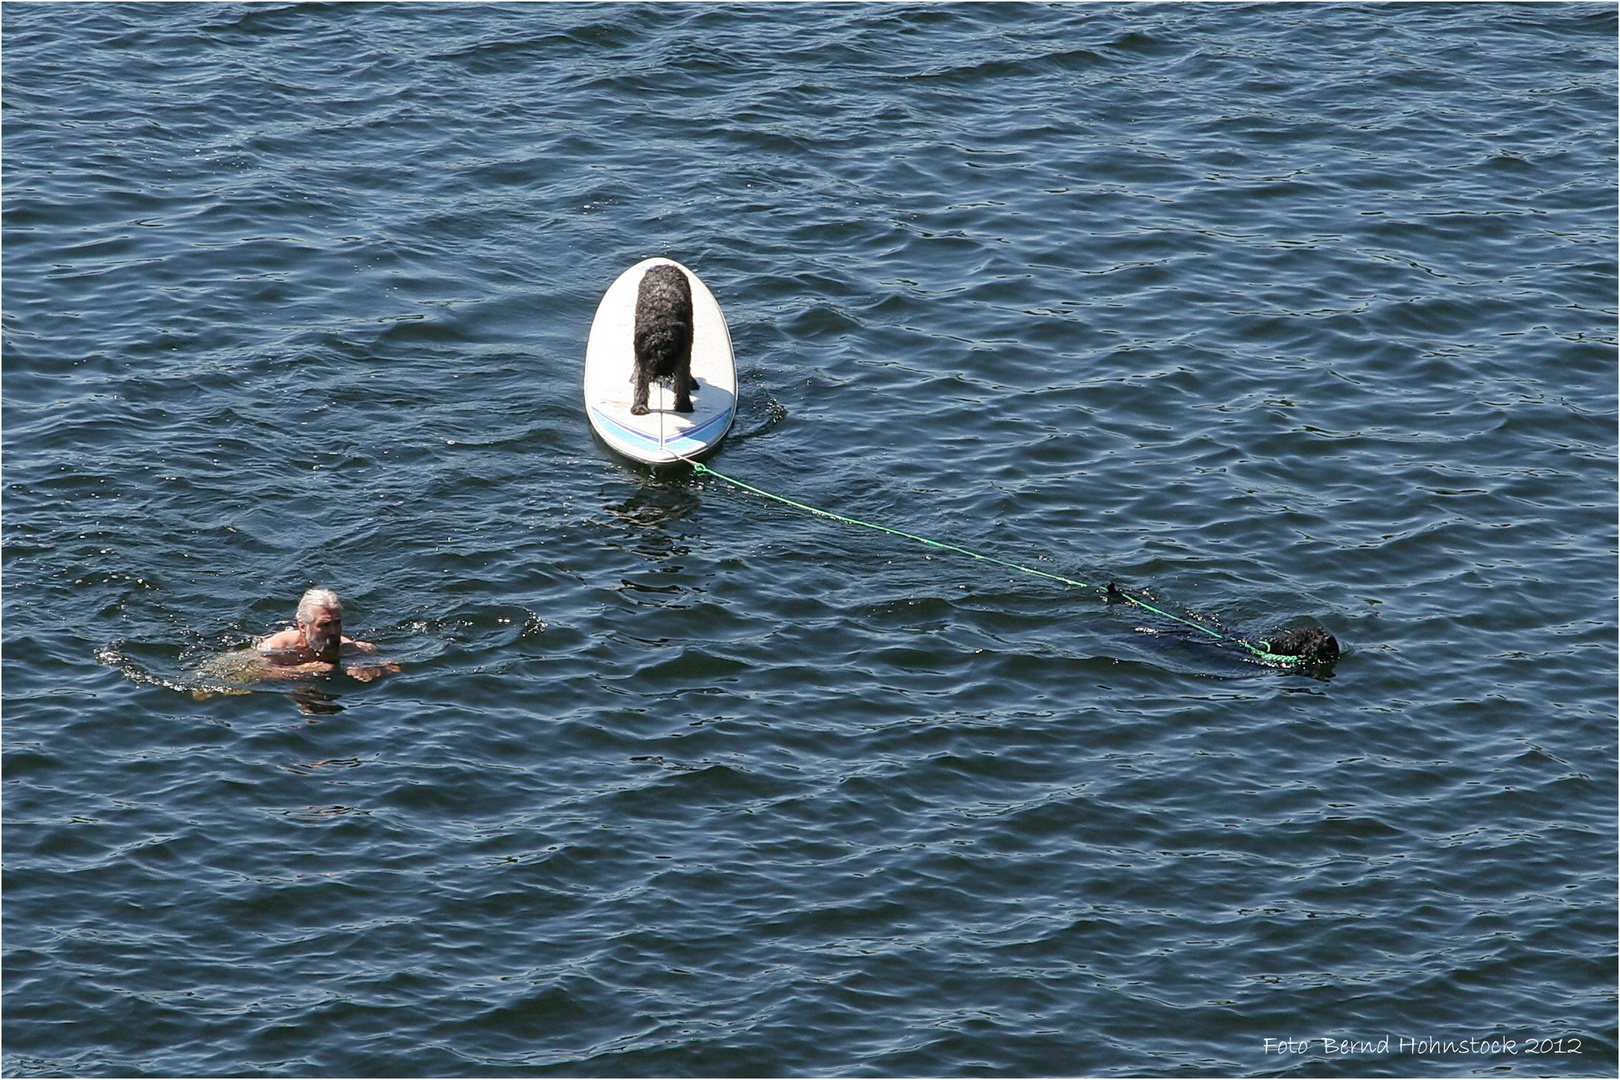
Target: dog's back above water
[(663, 336)]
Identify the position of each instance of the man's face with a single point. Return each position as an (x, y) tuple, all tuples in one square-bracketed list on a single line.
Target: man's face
[(324, 631)]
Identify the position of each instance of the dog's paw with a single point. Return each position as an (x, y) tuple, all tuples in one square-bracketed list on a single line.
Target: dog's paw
[(639, 410)]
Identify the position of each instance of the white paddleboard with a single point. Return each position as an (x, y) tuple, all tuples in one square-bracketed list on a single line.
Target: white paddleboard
[(662, 435)]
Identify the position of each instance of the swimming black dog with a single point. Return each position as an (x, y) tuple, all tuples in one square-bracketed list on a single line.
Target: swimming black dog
[(1308, 649), (664, 336)]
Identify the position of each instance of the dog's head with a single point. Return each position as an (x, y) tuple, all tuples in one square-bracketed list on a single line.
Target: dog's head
[(1311, 644)]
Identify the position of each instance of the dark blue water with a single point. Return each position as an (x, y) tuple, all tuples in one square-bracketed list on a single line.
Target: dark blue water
[(1277, 315)]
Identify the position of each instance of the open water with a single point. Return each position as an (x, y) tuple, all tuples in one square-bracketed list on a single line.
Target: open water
[(1276, 314)]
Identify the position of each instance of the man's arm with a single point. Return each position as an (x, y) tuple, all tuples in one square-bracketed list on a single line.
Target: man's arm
[(293, 671)]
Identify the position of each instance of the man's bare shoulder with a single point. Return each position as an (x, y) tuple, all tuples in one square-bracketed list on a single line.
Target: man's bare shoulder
[(282, 641)]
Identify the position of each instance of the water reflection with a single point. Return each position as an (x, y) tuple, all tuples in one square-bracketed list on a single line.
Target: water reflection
[(649, 512), (314, 701), (659, 502)]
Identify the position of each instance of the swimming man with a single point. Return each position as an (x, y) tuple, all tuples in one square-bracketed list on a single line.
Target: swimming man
[(316, 646)]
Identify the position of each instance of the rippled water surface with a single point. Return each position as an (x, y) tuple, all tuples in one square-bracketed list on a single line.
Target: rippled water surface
[(1279, 315)]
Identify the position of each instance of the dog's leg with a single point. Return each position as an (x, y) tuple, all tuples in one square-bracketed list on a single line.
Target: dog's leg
[(638, 404), (682, 379), (683, 392)]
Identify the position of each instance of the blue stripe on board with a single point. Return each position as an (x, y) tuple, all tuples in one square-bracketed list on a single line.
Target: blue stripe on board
[(693, 437)]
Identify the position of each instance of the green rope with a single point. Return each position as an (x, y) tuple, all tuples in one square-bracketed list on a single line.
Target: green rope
[(1260, 651)]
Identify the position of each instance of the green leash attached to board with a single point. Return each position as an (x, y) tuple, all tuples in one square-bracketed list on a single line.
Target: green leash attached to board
[(1325, 648)]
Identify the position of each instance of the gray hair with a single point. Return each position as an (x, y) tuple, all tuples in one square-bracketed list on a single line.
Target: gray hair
[(315, 598)]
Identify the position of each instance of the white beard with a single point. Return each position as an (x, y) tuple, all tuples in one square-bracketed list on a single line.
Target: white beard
[(320, 644)]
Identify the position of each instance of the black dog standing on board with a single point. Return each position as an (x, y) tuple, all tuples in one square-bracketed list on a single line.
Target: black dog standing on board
[(664, 336)]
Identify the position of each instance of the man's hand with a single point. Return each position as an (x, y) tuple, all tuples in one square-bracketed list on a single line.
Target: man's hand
[(369, 672)]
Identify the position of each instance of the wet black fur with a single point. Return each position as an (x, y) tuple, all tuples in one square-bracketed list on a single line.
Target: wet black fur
[(1308, 642), (664, 336)]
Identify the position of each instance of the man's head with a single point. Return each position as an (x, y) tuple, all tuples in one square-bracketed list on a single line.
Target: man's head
[(320, 620)]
